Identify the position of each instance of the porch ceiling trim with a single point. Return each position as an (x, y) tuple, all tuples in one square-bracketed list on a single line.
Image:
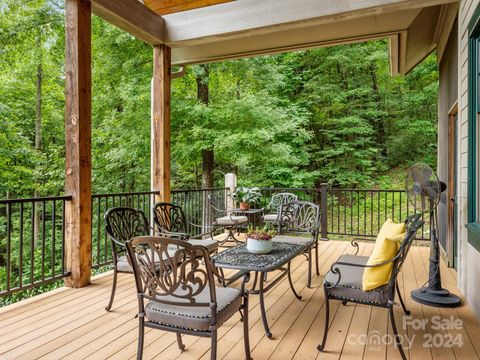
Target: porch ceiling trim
[(253, 17)]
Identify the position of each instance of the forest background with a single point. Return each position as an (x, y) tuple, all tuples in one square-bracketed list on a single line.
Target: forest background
[(298, 119)]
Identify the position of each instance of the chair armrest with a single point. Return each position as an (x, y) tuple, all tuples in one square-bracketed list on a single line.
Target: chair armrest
[(336, 270)]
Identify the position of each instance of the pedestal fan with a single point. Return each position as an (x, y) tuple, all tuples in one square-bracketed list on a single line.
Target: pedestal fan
[(424, 191)]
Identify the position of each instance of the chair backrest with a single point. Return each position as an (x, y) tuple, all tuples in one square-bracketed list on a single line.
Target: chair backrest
[(413, 224), (169, 218), (124, 223), (279, 199), (299, 216), (170, 271), (217, 203)]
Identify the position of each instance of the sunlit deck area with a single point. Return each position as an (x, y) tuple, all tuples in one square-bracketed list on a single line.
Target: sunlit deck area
[(73, 324)]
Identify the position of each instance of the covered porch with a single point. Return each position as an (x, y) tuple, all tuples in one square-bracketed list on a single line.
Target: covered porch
[(73, 324)]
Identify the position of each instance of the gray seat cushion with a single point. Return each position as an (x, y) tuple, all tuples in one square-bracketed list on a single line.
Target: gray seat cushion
[(123, 265), (302, 240), (231, 220), (229, 301), (350, 285), (210, 244), (270, 218)]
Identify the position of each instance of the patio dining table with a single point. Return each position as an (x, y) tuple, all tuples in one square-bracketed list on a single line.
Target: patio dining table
[(239, 258)]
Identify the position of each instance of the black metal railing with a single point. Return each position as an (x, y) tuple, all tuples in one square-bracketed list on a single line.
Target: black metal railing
[(32, 246), (361, 213), (354, 212), (32, 231), (195, 205)]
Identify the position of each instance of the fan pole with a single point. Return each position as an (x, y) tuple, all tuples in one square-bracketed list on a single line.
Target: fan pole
[(433, 294)]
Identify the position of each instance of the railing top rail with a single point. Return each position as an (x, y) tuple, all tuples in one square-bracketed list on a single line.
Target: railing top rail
[(194, 190), (368, 190), (126, 194), (35, 199)]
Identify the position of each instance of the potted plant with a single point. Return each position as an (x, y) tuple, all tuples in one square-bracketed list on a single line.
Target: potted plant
[(259, 241), (245, 196)]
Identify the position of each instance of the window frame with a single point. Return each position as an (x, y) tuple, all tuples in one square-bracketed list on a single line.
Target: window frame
[(473, 183)]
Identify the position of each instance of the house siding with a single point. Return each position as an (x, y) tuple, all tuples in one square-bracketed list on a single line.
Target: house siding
[(468, 257), (447, 97)]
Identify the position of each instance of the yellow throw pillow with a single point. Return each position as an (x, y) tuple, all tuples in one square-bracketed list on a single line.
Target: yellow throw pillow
[(386, 246)]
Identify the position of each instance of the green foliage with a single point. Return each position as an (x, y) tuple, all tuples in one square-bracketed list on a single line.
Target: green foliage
[(247, 195)]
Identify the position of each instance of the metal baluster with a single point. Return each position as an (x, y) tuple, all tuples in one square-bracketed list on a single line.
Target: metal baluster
[(9, 245), (43, 240), (21, 247), (32, 243), (54, 230)]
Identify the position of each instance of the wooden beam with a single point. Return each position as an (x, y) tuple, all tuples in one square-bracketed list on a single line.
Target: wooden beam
[(163, 7), (133, 17), (160, 150), (78, 158)]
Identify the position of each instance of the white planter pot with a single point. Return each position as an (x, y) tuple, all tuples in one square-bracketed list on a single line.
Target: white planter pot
[(259, 246)]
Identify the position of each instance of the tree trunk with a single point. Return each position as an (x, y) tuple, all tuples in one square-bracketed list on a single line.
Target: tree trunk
[(207, 168), (38, 130), (379, 122), (202, 84), (207, 154)]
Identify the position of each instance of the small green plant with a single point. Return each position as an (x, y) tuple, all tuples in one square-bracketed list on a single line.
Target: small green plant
[(261, 234), (247, 195)]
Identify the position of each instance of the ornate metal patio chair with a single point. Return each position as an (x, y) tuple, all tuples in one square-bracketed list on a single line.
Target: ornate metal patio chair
[(344, 281), (170, 221), (122, 224), (182, 296), (299, 223), (274, 206), (225, 218)]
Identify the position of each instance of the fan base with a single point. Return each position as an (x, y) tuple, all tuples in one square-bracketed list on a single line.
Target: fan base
[(437, 298)]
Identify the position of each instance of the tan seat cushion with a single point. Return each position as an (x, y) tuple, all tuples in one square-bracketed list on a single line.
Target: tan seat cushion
[(350, 286), (229, 301), (270, 218), (124, 265), (231, 220), (301, 240), (210, 244)]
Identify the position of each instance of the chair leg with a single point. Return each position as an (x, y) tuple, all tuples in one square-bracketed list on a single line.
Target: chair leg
[(309, 282), (246, 339), (141, 334), (321, 346), (316, 260), (405, 310), (395, 332), (114, 288), (181, 346), (213, 351)]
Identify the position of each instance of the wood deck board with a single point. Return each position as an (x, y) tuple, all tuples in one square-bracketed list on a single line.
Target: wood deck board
[(72, 324)]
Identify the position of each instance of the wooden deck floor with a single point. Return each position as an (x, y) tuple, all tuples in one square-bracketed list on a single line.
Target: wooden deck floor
[(72, 323)]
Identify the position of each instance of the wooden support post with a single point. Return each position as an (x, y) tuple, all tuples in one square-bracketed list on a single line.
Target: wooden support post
[(78, 157), (160, 150)]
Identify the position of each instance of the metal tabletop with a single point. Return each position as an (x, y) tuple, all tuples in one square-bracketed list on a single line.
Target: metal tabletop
[(240, 258)]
